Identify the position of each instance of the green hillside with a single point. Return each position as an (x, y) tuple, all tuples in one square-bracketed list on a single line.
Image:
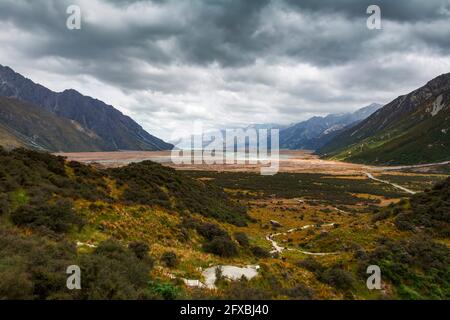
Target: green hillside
[(139, 231), (47, 205), (412, 129)]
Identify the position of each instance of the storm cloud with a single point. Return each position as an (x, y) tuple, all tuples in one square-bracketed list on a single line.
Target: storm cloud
[(228, 62)]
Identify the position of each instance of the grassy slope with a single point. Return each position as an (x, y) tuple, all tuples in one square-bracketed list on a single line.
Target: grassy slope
[(149, 204), (24, 124), (405, 131), (421, 143)]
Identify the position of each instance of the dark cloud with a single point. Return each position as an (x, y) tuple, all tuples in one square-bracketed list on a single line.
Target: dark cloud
[(234, 57), (397, 10)]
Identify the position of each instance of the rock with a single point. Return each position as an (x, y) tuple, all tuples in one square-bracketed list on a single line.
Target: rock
[(275, 223)]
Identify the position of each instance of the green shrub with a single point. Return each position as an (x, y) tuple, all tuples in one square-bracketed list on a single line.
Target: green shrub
[(58, 217), (113, 272), (260, 252), (140, 249), (221, 246), (242, 239), (300, 292), (166, 290), (338, 278), (170, 259)]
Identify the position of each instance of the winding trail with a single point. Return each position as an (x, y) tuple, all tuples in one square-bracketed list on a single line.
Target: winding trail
[(279, 249), (370, 176)]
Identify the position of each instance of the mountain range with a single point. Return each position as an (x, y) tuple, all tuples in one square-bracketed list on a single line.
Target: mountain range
[(91, 125), (412, 129), (315, 132)]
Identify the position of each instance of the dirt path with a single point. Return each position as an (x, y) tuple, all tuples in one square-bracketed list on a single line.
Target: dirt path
[(414, 166), (279, 249), (370, 176)]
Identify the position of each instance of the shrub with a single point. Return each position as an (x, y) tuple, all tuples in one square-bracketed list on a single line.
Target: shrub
[(140, 249), (300, 292), (338, 278), (58, 217), (221, 246), (167, 291), (242, 239), (211, 231), (170, 259), (240, 290), (113, 272), (260, 252), (311, 265), (32, 267), (4, 203)]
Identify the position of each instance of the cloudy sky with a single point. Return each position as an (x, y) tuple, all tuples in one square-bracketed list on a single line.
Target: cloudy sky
[(228, 62)]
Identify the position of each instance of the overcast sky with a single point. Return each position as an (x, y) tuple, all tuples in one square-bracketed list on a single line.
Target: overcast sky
[(225, 62)]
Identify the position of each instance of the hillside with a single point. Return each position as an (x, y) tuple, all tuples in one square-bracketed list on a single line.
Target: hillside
[(412, 129), (47, 205), (149, 228), (22, 124), (116, 130), (314, 133)]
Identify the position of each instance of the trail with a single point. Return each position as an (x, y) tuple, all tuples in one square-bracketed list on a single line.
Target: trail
[(414, 166), (370, 176), (278, 249)]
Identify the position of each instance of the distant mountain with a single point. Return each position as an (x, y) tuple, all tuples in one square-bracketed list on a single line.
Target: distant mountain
[(267, 126), (414, 128), (116, 131), (314, 133), (25, 125)]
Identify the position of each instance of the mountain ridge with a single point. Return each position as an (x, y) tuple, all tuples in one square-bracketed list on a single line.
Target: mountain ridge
[(118, 131), (317, 131), (395, 134), (25, 125)]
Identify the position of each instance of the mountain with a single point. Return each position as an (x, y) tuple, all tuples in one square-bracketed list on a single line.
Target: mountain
[(412, 129), (116, 130), (25, 125), (317, 131)]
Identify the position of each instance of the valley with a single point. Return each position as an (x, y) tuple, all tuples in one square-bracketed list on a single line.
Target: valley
[(219, 151), (310, 227)]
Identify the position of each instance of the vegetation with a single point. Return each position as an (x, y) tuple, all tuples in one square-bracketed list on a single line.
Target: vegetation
[(170, 259), (317, 187), (58, 217), (418, 267), (140, 244), (152, 184)]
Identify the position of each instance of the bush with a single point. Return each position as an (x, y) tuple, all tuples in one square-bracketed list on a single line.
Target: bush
[(221, 246), (4, 203), (211, 231), (300, 292), (32, 267), (58, 217), (167, 291), (417, 264), (260, 252), (113, 272), (242, 239), (311, 265), (170, 259), (240, 290), (338, 278), (140, 249)]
